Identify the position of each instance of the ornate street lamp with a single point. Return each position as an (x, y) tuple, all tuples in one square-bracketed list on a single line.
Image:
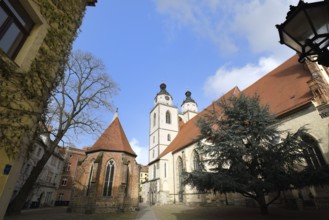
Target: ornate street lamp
[(306, 30)]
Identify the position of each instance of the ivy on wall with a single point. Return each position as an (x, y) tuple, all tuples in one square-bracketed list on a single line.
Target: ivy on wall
[(24, 94)]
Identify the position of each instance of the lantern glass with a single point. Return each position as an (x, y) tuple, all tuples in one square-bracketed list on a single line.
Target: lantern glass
[(319, 17), (299, 28), (291, 42)]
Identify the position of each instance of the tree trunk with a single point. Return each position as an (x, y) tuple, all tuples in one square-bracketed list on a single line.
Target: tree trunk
[(18, 202), (262, 204)]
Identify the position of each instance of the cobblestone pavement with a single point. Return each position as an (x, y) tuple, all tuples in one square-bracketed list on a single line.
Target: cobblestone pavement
[(177, 212)]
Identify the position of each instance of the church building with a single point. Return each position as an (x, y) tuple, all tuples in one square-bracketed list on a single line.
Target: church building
[(107, 178), (298, 94)]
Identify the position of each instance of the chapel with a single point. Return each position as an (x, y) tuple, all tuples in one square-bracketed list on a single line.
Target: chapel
[(107, 178)]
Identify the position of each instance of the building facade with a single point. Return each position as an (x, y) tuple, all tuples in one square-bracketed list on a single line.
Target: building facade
[(297, 93), (143, 178), (72, 156), (107, 179), (35, 40), (43, 192)]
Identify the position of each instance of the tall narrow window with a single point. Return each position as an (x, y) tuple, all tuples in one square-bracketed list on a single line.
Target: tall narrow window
[(165, 170), (15, 26), (154, 171), (90, 179), (68, 166), (60, 196), (127, 182), (180, 179), (168, 117), (168, 137), (154, 119), (196, 160), (109, 179)]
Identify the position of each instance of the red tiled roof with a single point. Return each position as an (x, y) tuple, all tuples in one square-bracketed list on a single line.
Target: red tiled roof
[(283, 89), (113, 139)]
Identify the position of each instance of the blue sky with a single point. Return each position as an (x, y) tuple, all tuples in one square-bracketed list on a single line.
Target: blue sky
[(205, 46)]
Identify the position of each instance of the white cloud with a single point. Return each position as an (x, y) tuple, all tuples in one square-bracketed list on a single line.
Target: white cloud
[(202, 17), (256, 20), (142, 152), (227, 78), (228, 23)]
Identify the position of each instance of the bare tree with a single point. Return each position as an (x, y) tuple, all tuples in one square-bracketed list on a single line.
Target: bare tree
[(85, 88)]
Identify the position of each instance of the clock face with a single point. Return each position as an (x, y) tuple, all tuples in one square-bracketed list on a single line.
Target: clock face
[(167, 97)]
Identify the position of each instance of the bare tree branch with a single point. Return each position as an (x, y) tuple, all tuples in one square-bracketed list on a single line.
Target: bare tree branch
[(85, 88)]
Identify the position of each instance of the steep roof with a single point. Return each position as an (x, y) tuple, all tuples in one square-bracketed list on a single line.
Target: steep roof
[(283, 89), (113, 139)]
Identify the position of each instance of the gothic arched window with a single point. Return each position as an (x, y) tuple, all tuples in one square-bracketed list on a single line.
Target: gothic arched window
[(127, 182), (196, 160), (312, 152), (168, 117), (109, 175)]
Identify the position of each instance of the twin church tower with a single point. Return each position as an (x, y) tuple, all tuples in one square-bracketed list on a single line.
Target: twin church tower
[(165, 120)]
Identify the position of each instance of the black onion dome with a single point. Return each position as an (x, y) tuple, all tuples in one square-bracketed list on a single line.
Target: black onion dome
[(188, 98), (163, 90)]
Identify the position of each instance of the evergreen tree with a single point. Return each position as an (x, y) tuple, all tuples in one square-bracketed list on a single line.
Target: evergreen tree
[(244, 152)]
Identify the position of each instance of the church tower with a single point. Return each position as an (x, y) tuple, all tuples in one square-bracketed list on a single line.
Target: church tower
[(163, 123), (189, 107)]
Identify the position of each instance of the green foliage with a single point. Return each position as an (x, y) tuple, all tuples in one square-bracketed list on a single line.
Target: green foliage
[(24, 95), (243, 151)]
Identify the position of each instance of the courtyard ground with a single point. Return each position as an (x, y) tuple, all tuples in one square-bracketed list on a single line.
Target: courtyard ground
[(181, 212), (177, 212)]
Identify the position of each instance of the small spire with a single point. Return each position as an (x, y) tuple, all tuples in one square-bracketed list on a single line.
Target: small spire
[(116, 114)]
